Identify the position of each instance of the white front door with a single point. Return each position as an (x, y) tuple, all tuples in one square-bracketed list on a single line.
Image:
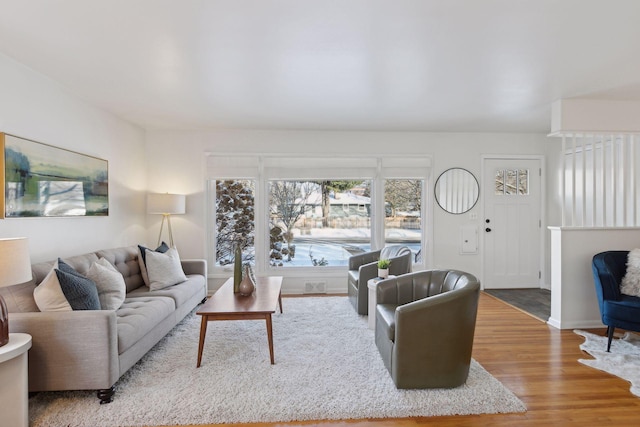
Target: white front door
[(512, 223)]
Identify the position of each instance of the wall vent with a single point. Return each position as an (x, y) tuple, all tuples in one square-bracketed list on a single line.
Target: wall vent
[(315, 287)]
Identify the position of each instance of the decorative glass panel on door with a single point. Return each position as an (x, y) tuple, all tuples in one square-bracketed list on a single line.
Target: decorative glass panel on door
[(512, 182)]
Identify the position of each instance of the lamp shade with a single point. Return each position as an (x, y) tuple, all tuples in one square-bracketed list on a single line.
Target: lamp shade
[(15, 262), (166, 203)]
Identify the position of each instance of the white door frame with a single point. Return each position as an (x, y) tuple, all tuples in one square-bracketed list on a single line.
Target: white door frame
[(543, 199)]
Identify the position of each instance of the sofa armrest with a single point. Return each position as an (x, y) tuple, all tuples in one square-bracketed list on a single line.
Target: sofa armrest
[(72, 350), (194, 266)]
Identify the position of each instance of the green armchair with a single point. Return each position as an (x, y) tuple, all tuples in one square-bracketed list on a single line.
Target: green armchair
[(425, 323)]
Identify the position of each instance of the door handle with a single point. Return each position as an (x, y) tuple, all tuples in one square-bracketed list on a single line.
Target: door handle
[(488, 230)]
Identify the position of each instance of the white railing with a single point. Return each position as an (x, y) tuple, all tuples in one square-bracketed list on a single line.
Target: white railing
[(599, 181)]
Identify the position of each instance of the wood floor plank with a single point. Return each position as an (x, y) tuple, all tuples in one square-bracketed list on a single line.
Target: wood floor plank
[(540, 365)]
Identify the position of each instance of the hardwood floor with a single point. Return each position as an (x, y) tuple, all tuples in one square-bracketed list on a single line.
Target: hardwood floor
[(539, 364)]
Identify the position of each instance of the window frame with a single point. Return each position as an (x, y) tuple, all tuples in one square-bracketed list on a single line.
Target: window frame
[(266, 167)]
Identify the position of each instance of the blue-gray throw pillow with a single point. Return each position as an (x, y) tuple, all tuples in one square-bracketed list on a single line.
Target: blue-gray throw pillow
[(63, 266), (80, 292)]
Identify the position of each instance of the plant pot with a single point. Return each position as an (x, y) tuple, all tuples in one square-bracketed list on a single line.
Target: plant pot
[(383, 273)]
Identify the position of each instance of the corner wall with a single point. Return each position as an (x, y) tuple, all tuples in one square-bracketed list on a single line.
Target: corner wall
[(34, 107)]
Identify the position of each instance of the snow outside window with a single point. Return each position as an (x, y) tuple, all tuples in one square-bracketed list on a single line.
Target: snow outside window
[(318, 223)]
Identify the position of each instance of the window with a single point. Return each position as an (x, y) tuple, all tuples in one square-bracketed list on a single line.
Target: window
[(317, 223), (235, 220), (403, 214), (294, 213)]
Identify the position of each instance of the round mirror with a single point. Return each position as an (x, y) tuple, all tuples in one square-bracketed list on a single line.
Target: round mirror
[(457, 190)]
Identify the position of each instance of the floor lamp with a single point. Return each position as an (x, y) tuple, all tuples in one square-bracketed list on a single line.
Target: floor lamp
[(166, 205), (15, 268)]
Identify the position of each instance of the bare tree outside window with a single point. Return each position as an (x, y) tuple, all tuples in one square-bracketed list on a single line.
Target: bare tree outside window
[(288, 201)]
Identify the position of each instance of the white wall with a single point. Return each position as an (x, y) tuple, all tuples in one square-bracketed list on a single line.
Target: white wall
[(574, 303), (175, 162), (34, 107)]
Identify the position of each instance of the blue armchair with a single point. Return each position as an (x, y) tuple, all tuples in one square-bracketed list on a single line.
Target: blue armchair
[(616, 309)]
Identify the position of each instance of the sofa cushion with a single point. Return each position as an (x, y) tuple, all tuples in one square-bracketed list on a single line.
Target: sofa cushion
[(48, 294), (110, 284), (138, 316), (180, 293), (142, 259), (163, 269)]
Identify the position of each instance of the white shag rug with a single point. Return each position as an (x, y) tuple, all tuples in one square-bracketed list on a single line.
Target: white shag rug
[(623, 361), (327, 367)]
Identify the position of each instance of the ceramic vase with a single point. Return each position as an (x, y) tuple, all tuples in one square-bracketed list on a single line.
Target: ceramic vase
[(383, 273), (247, 286)]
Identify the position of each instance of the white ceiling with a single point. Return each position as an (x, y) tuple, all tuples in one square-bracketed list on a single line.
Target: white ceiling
[(431, 65)]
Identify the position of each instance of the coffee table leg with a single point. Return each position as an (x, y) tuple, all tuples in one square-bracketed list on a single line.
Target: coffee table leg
[(203, 334), (270, 336), (280, 301)]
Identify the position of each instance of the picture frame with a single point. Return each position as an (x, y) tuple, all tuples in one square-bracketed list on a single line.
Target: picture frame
[(41, 180)]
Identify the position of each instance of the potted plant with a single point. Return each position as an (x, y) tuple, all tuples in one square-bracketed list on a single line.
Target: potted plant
[(383, 268)]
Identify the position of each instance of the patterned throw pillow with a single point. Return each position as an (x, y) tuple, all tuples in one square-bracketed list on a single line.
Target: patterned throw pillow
[(631, 280)]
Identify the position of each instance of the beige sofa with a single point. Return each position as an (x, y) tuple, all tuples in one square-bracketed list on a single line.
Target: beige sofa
[(91, 349)]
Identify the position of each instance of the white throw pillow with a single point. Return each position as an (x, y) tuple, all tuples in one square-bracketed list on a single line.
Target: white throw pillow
[(48, 294), (110, 283), (631, 280), (142, 251), (164, 269)]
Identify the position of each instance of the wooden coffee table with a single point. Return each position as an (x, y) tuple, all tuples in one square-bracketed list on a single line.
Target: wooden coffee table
[(225, 305)]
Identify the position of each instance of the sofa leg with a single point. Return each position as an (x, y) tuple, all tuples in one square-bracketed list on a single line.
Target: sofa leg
[(106, 395), (610, 330), (203, 300)]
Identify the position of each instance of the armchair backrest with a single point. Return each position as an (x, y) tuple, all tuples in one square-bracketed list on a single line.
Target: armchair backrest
[(411, 287), (608, 270), (400, 257)]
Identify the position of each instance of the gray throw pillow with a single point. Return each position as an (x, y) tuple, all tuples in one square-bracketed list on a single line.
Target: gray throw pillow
[(80, 292), (110, 283)]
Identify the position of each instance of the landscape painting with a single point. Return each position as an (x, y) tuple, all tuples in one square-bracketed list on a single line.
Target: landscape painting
[(41, 180)]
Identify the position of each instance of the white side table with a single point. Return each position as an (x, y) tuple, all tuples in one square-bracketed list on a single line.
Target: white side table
[(14, 381), (371, 285)]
